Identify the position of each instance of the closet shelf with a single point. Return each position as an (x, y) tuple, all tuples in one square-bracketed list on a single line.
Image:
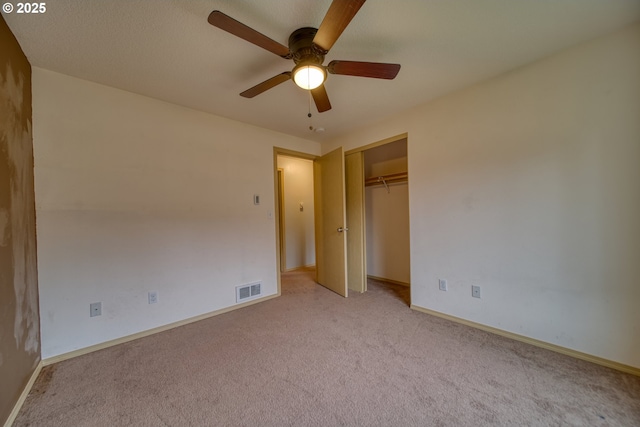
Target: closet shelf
[(387, 179)]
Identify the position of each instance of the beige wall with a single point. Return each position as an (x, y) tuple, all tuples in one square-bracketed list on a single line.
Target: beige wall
[(19, 316), (528, 185), (136, 195), (299, 227)]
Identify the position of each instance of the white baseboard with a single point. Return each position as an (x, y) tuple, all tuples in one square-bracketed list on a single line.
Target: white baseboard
[(303, 268), (107, 344), (111, 343), (382, 279), (553, 347), (23, 395)]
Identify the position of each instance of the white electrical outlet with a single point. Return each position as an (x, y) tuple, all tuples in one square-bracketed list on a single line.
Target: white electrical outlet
[(475, 291), (153, 297), (442, 283)]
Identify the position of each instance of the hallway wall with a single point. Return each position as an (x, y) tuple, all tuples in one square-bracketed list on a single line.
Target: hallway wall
[(299, 227)]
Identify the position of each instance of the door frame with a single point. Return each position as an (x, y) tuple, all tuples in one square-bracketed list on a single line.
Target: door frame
[(355, 212), (385, 141), (280, 217)]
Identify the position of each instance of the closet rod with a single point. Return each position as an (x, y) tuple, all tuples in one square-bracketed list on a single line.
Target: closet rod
[(387, 179)]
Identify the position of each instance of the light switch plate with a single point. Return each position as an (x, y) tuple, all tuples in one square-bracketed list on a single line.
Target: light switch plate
[(153, 297), (95, 309)]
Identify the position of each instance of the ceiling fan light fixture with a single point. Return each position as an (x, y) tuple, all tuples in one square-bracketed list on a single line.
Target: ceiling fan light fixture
[(309, 76), (307, 48)]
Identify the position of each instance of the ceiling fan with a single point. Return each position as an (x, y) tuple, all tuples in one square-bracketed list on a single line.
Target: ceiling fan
[(308, 47)]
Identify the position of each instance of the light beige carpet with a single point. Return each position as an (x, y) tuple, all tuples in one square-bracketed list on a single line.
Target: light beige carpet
[(312, 358)]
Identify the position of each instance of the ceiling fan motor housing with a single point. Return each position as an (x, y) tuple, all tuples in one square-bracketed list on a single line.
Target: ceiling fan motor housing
[(302, 48)]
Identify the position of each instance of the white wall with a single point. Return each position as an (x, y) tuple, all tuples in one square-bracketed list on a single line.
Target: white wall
[(134, 195), (529, 186), (299, 228), (387, 223)]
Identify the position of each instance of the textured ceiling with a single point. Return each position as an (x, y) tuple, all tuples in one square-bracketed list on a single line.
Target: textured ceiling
[(167, 50)]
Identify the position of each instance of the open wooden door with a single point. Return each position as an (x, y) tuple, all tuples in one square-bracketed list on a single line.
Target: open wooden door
[(330, 220)]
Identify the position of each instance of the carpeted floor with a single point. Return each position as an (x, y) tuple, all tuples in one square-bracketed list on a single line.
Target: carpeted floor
[(312, 358)]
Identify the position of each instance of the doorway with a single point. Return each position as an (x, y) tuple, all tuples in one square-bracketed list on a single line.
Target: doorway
[(377, 242), (295, 212), (325, 204)]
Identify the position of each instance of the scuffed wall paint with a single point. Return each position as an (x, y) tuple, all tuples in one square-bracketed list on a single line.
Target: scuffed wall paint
[(22, 213), (19, 311), (5, 231)]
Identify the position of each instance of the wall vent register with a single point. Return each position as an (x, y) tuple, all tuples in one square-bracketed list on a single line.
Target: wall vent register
[(248, 292)]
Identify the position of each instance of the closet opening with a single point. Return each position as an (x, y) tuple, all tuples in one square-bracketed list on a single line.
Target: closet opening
[(385, 204), (387, 213)]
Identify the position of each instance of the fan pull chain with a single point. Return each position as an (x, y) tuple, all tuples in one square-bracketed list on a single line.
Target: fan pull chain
[(309, 115)]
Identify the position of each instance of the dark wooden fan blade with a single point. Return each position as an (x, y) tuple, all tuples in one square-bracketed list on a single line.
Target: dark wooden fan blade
[(340, 13), (266, 85), (238, 29), (321, 99), (376, 70)]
